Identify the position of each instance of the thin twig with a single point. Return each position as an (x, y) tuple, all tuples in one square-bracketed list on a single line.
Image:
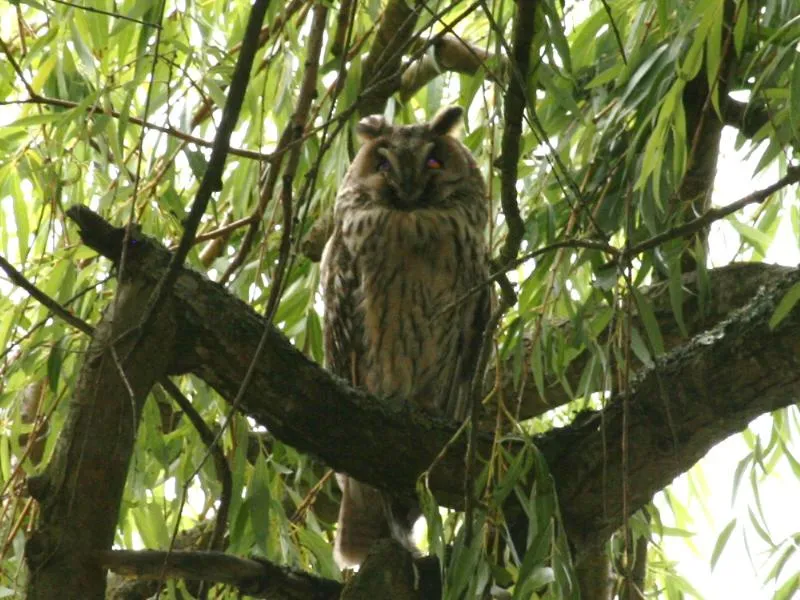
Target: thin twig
[(305, 97), (715, 214), (14, 65), (475, 397), (139, 150), (221, 231), (100, 11), (38, 99), (553, 157), (220, 462), (341, 38), (266, 190), (326, 141), (19, 279), (310, 497), (620, 45)]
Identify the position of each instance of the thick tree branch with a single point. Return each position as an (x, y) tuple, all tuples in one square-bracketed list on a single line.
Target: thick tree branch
[(258, 579), (747, 118), (712, 386), (450, 53), (94, 449), (380, 77)]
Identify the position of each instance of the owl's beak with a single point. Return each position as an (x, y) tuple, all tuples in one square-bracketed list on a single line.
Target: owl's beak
[(411, 193), (405, 181), (405, 191), (406, 197)]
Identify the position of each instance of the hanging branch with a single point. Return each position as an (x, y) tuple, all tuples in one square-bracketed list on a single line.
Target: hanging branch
[(515, 102), (380, 76)]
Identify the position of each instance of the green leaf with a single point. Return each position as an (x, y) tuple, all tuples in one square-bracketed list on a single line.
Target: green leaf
[(41, 119), (785, 305), (780, 563), (722, 540), (151, 525), (738, 473), (760, 529), (430, 508), (537, 366), (676, 294), (604, 77), (640, 348), (650, 322), (321, 550), (21, 220), (758, 239), (5, 457), (740, 27), (84, 53), (789, 589), (259, 500), (794, 97)]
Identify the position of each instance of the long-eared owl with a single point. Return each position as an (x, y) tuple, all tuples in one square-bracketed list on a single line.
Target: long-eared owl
[(407, 246)]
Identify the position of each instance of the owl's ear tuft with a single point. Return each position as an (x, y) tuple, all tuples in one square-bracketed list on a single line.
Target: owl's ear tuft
[(447, 121), (371, 127)]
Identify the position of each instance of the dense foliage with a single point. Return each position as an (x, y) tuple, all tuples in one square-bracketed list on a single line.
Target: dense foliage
[(598, 126)]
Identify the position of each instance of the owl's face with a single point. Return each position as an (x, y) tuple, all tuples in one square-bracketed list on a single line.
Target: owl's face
[(414, 166)]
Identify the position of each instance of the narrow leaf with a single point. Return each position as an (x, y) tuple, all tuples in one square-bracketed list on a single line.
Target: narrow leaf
[(785, 306), (719, 546), (650, 322), (794, 97)]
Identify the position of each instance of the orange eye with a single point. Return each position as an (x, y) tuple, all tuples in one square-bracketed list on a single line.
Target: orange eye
[(433, 163)]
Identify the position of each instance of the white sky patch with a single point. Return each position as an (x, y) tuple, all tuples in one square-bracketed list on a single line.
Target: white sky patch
[(735, 179), (735, 575)]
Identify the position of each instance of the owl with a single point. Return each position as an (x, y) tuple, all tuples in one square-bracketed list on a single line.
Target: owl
[(407, 245)]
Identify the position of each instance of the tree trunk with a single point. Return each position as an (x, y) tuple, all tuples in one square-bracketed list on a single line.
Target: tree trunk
[(80, 491)]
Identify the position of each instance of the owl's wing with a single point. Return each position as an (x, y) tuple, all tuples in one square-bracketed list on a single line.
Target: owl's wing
[(362, 519), (470, 347), (343, 328)]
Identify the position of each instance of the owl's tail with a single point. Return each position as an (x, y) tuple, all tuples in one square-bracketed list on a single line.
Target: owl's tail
[(362, 521), (365, 516)]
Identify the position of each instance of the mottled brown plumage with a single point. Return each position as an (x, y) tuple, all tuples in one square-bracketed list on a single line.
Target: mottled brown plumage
[(408, 242)]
